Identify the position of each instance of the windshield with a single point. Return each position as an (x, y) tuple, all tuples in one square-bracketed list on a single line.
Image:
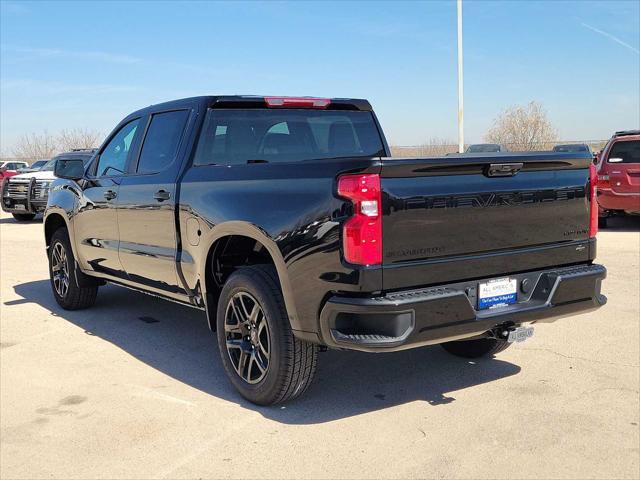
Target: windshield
[(48, 167), (241, 136)]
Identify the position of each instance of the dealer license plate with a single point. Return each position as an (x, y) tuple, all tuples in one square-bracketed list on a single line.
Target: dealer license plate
[(19, 206), (520, 334), (498, 292)]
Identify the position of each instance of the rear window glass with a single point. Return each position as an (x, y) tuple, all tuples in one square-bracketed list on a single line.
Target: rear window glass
[(161, 142), (629, 152), (484, 148), (571, 148), (240, 136)]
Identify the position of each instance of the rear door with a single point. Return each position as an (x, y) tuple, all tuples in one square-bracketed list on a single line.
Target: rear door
[(623, 165), (146, 204)]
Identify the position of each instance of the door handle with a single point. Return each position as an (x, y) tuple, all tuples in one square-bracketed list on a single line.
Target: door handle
[(110, 194), (162, 195)]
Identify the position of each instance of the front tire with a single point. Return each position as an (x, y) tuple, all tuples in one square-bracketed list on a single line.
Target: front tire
[(482, 347), (24, 217), (64, 284), (261, 356)]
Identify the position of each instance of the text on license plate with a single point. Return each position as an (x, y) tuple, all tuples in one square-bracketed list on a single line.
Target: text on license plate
[(498, 292)]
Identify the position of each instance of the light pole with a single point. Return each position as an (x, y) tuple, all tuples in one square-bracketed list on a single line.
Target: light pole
[(460, 84)]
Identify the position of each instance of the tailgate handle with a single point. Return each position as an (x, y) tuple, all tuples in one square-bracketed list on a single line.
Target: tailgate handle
[(503, 169)]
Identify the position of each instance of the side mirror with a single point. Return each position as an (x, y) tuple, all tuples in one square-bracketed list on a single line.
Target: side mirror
[(616, 160), (3, 169), (72, 169)]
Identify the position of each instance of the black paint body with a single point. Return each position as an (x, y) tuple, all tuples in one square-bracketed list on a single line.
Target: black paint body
[(445, 221)]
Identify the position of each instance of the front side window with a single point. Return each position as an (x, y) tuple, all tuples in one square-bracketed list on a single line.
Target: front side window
[(113, 159), (162, 140), (625, 152), (241, 136)]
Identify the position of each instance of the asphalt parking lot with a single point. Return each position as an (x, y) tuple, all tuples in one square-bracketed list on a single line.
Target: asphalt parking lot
[(133, 388)]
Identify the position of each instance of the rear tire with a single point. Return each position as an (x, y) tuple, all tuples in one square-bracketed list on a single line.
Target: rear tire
[(482, 347), (64, 283), (24, 217), (261, 356)]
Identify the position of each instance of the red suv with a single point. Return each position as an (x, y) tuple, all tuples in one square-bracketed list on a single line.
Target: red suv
[(619, 176)]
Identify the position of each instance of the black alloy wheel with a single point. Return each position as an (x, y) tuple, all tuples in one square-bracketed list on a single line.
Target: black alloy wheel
[(60, 269), (247, 337)]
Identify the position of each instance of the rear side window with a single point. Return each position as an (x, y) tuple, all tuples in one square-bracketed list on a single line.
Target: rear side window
[(628, 152), (239, 136), (162, 140)]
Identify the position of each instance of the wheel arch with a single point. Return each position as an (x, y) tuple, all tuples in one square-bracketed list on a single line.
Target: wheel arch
[(52, 222), (243, 230)]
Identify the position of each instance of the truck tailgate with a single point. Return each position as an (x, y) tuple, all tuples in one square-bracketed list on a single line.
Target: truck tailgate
[(464, 217)]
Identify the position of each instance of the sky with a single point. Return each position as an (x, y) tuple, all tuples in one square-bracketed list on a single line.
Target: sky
[(67, 65)]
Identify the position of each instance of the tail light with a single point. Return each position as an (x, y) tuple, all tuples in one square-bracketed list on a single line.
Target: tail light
[(593, 180), (604, 182), (297, 102), (362, 233)]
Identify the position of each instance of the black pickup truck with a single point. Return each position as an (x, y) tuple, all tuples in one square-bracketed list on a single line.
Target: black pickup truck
[(287, 222)]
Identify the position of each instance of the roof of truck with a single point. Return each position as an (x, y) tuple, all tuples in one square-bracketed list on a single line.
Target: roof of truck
[(624, 133), (259, 101)]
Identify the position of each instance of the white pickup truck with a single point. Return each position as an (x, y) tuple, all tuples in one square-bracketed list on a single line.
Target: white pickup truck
[(25, 195)]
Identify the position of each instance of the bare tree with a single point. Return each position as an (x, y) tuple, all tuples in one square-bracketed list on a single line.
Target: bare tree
[(34, 146), (78, 138), (523, 128), (434, 147)]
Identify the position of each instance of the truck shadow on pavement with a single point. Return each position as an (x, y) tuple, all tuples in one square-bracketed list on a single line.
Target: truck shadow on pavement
[(626, 223), (176, 341), (38, 219)]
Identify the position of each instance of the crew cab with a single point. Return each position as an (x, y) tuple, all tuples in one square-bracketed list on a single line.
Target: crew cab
[(618, 169), (25, 195), (286, 221)]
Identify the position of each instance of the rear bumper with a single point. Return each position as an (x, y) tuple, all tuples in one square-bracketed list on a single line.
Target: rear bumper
[(609, 200), (415, 318)]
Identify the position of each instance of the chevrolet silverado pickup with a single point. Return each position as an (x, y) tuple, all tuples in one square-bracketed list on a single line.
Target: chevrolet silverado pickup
[(285, 220), (25, 195)]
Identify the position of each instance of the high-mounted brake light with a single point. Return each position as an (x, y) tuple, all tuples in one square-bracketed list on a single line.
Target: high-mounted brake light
[(593, 197), (296, 102), (362, 233)]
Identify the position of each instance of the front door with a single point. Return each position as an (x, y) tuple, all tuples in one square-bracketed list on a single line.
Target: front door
[(95, 223), (146, 206)]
